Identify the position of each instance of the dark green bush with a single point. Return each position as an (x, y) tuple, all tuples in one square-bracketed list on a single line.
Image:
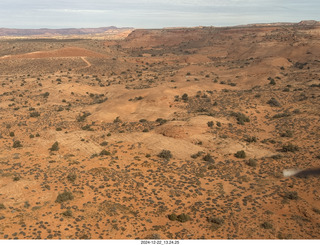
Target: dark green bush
[(185, 97), (17, 144), (250, 139), (215, 222), (65, 196), (208, 158), (210, 124), (252, 162), (241, 118), (290, 148), (72, 177), (34, 114), (287, 133), (292, 195), (161, 121), (105, 153), (166, 154), (172, 217), (183, 218), (266, 225), (67, 213), (55, 146), (2, 206), (273, 102), (240, 154)]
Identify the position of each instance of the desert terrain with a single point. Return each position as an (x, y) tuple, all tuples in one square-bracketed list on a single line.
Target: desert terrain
[(161, 134)]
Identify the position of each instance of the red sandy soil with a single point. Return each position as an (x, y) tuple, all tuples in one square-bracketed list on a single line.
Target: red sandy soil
[(203, 94)]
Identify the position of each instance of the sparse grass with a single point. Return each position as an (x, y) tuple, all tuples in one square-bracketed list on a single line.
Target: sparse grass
[(34, 114)]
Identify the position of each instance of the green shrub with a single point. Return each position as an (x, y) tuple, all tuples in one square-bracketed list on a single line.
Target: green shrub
[(16, 178), (210, 124), (183, 218), (292, 195), (240, 154), (72, 177), (34, 114), (185, 97), (273, 102), (65, 196), (215, 222), (2, 206), (208, 158), (67, 213), (105, 153), (241, 118), (290, 148), (316, 210), (81, 118), (287, 133), (250, 139), (166, 154), (87, 127), (17, 144), (161, 121), (252, 162), (11, 134), (172, 217), (55, 146), (266, 225), (46, 94)]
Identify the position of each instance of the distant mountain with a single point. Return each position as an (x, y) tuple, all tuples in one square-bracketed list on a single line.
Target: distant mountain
[(62, 32)]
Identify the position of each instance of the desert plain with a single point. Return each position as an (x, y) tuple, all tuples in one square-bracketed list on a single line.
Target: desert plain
[(178, 133)]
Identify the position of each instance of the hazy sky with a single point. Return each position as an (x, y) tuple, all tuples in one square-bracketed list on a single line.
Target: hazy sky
[(152, 13)]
